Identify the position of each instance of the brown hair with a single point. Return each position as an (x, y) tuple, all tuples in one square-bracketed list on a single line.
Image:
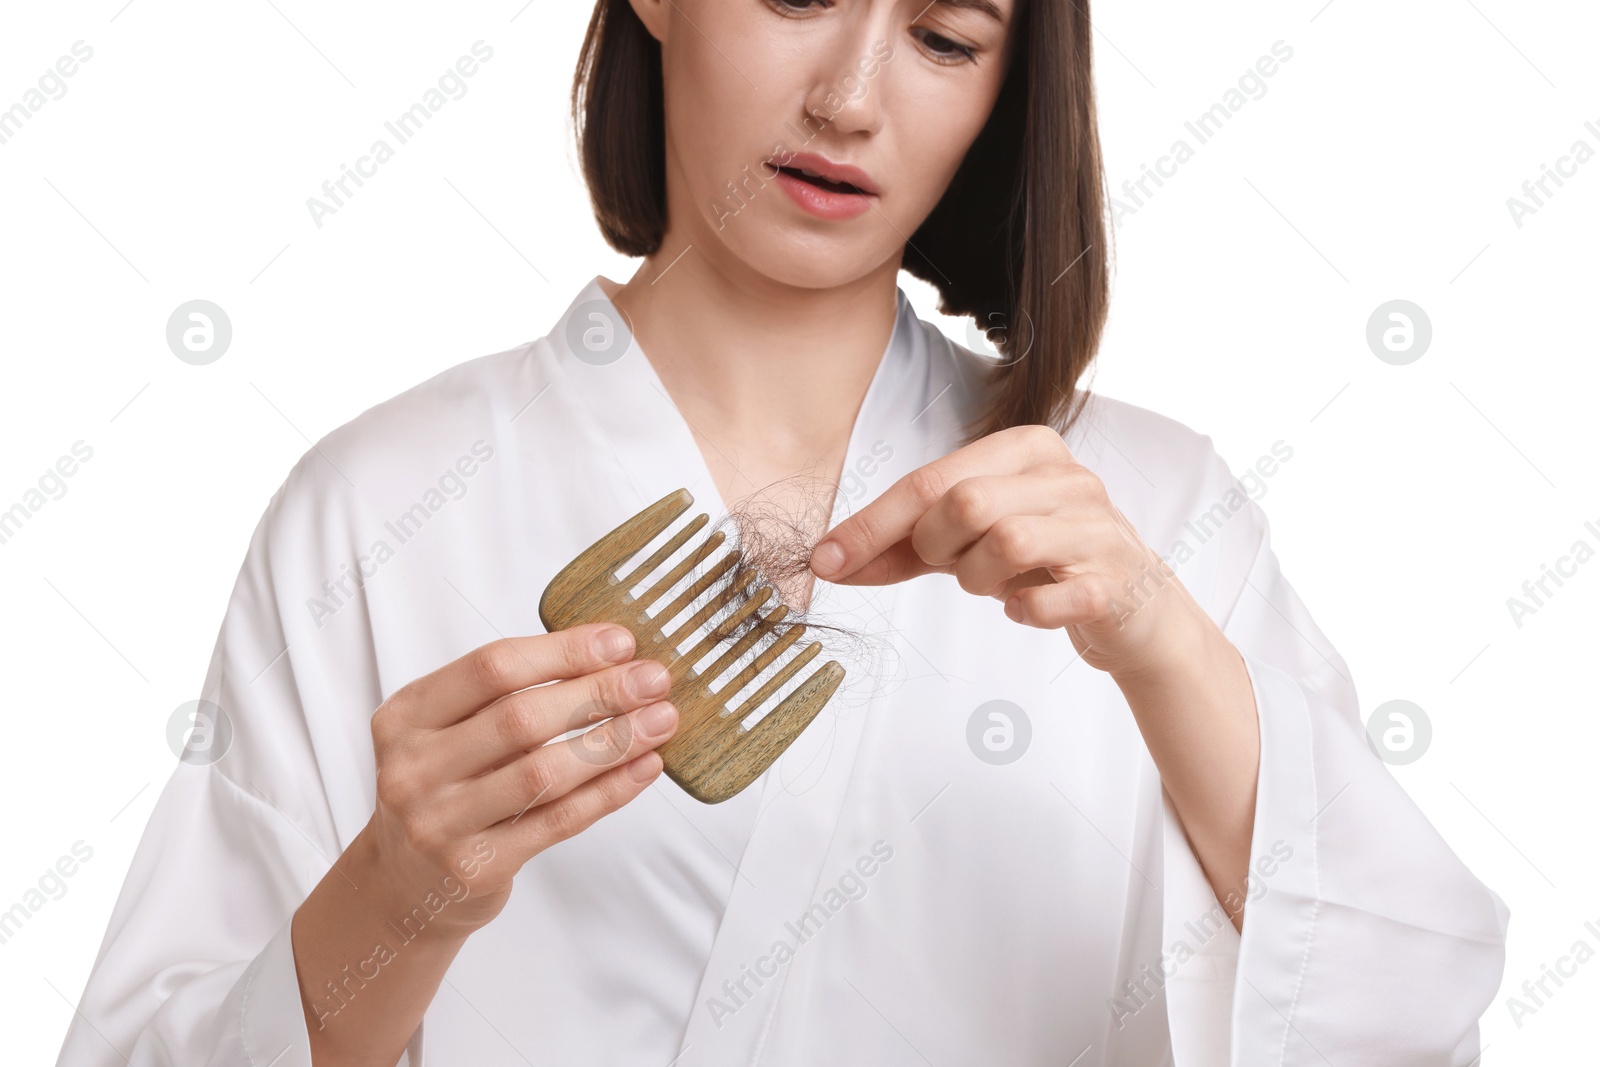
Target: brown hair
[(1017, 242)]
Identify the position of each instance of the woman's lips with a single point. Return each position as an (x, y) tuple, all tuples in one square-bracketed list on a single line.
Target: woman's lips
[(817, 200)]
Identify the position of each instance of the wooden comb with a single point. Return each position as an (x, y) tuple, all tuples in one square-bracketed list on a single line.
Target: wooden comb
[(713, 755)]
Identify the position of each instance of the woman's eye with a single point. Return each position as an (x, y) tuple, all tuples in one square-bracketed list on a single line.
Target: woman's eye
[(945, 50), (790, 7), (940, 47)]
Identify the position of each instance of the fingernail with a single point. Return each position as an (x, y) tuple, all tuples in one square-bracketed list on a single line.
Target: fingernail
[(827, 558), (657, 719), (614, 644), (1014, 609), (649, 679)]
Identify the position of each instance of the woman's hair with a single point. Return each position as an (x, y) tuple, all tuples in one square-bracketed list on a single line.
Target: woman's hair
[(1018, 241)]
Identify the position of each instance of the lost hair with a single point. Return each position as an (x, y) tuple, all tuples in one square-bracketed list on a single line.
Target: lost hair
[(773, 545)]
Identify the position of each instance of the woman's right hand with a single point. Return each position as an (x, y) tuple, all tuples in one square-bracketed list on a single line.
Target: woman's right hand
[(469, 790)]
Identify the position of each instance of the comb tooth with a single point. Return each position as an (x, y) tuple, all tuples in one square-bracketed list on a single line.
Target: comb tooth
[(784, 723), (672, 577), (689, 595), (627, 539), (741, 646), (716, 604), (716, 727), (765, 742), (567, 599), (739, 615), (797, 709), (666, 550), (784, 673), (768, 654)]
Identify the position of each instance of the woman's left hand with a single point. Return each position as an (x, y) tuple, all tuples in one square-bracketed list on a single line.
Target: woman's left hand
[(1015, 517)]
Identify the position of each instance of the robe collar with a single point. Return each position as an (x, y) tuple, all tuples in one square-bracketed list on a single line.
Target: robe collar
[(651, 439)]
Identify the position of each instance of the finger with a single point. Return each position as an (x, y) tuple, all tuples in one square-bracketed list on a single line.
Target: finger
[(546, 774), (974, 505), (1019, 544), (543, 825), (889, 519), (524, 720), (899, 563), (461, 687), (1082, 598), (945, 538)]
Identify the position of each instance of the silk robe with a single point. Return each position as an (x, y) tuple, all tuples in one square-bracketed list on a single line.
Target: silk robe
[(968, 858)]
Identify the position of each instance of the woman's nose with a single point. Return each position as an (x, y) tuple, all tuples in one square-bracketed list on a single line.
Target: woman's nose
[(847, 90)]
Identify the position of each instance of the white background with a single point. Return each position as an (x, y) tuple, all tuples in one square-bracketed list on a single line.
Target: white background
[(1376, 166)]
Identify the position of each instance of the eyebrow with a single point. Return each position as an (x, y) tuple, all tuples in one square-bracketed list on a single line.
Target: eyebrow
[(984, 7)]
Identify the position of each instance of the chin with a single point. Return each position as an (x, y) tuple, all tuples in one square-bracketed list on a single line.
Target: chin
[(789, 255)]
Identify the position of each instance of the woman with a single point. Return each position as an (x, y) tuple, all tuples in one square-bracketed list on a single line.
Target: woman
[(1180, 849)]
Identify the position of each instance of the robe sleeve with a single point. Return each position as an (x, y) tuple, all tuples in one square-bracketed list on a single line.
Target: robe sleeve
[(1365, 939), (196, 966)]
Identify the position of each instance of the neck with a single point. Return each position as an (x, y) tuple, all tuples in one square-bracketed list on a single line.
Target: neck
[(770, 376)]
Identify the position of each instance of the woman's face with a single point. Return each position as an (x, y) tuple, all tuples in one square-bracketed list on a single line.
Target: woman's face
[(757, 90)]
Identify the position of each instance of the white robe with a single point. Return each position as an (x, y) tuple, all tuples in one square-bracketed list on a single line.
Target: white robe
[(880, 896)]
